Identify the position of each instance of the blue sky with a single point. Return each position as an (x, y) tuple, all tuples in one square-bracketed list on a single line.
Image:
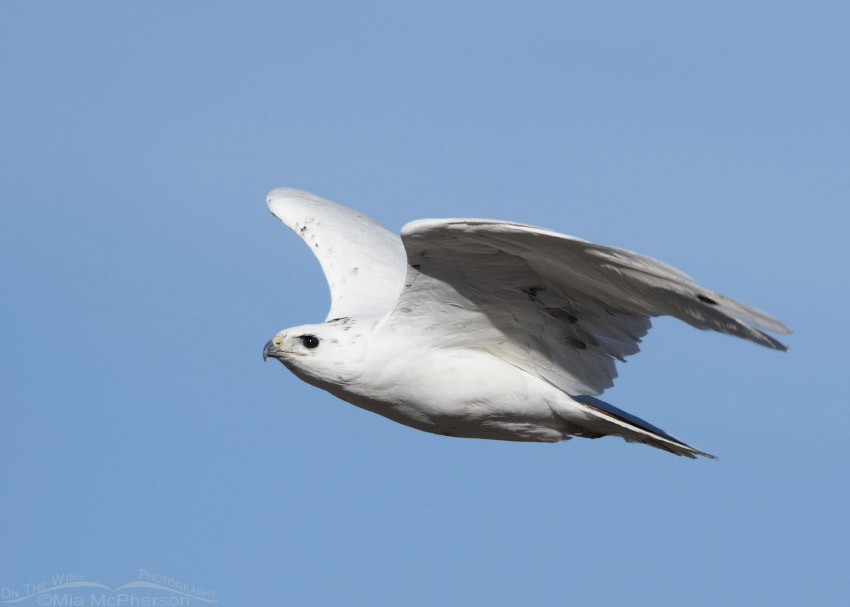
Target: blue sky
[(142, 275)]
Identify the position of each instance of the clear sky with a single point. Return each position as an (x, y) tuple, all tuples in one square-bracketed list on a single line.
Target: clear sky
[(142, 275)]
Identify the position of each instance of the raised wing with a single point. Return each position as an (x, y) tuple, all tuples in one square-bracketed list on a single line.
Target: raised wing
[(555, 306), (363, 263)]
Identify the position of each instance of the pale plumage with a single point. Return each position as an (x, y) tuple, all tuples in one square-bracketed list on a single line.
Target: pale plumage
[(487, 329)]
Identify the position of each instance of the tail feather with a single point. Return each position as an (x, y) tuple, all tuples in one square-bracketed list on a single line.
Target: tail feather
[(634, 429)]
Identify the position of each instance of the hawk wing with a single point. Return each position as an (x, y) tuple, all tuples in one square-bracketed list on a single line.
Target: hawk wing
[(363, 263), (557, 307)]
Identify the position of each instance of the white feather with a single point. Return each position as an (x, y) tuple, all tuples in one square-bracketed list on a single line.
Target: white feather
[(363, 263)]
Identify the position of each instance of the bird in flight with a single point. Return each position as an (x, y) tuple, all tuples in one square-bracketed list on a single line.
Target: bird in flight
[(487, 329)]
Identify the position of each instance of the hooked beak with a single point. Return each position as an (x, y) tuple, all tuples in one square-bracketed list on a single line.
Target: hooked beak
[(272, 348)]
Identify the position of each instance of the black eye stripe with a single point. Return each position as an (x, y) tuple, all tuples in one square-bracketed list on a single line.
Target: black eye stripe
[(309, 341)]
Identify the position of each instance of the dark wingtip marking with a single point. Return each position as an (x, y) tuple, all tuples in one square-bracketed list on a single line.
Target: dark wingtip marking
[(707, 300), (577, 343)]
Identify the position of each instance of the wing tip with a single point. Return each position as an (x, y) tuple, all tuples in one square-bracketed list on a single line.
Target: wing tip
[(281, 195)]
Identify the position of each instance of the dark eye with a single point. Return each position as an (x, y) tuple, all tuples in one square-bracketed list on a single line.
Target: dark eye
[(309, 341)]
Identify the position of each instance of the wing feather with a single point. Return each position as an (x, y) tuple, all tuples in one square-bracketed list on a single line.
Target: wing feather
[(558, 307), (363, 263)]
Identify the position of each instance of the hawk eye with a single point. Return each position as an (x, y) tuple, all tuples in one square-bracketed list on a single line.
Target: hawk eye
[(309, 341)]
